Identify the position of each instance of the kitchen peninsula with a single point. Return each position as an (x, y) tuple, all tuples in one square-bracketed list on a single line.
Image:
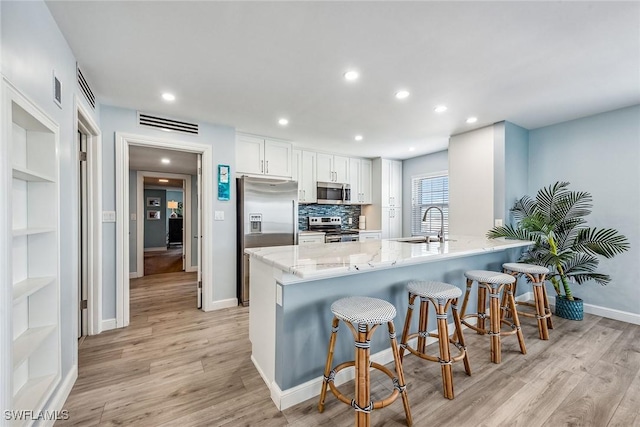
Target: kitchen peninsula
[(292, 288)]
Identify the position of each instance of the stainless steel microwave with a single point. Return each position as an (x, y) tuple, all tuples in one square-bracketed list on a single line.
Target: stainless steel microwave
[(333, 193)]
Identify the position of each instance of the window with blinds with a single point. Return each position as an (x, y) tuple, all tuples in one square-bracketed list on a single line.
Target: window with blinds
[(427, 191)]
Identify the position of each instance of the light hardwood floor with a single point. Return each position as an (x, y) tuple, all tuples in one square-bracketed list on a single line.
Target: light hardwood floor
[(177, 366)]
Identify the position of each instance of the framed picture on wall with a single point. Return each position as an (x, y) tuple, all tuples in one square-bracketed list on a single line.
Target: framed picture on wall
[(153, 201), (153, 215)]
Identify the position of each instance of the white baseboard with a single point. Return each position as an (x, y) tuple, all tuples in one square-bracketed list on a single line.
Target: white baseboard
[(609, 313), (158, 249), (191, 269), (225, 303), (108, 324), (60, 397), (133, 275)]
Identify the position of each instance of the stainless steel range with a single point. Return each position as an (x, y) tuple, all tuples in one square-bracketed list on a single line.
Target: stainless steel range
[(332, 227)]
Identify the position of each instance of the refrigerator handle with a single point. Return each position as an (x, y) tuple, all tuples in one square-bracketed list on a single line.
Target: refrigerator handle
[(295, 221)]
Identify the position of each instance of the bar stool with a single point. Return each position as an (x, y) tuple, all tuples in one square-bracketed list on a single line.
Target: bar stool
[(442, 296), (536, 274), (494, 283), (367, 313)]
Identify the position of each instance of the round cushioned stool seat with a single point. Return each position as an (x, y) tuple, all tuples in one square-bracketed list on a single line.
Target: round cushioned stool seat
[(437, 290), (485, 276), (370, 311), (519, 267)]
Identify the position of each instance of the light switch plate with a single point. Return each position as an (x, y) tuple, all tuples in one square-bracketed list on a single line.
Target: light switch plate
[(497, 222), (218, 216), (109, 216)]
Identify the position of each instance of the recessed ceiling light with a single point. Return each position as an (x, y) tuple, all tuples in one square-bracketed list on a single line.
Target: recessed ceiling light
[(472, 119), (168, 96), (163, 180), (402, 94), (358, 138), (412, 149), (440, 109), (283, 122), (165, 161), (351, 75)]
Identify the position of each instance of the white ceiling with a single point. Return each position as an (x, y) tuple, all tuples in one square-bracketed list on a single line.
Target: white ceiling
[(246, 64), (150, 159)]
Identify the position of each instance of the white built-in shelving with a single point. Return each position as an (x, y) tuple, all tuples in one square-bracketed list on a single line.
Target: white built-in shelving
[(35, 311)]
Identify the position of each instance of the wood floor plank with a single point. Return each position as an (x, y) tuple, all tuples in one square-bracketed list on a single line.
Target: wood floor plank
[(178, 366), (594, 400)]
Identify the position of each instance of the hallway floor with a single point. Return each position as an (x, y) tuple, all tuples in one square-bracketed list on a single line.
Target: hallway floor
[(178, 366), (159, 262)]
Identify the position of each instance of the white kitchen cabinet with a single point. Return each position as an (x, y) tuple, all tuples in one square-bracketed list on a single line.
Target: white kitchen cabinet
[(310, 239), (360, 180), (303, 170), (391, 223), (262, 156), (35, 343), (370, 235), (332, 168), (391, 183)]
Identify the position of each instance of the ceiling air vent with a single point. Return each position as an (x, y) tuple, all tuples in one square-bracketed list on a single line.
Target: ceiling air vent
[(84, 87), (167, 124)]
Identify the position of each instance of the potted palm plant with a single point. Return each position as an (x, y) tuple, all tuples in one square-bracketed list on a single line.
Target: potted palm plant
[(555, 222)]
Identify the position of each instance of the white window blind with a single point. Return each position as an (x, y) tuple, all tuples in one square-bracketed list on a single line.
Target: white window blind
[(427, 191)]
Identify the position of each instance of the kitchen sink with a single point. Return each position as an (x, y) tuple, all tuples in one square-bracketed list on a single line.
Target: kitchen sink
[(422, 239)]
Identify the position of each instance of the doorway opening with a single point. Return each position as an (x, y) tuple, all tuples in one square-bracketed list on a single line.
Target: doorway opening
[(89, 213), (131, 171)]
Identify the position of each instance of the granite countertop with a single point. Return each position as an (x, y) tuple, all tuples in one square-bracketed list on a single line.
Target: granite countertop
[(338, 259)]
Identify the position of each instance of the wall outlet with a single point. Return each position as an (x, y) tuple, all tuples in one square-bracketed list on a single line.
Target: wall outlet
[(349, 221), (218, 216), (134, 217), (497, 222)]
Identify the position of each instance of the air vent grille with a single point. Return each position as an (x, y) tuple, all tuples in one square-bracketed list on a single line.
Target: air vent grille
[(84, 87), (167, 124)]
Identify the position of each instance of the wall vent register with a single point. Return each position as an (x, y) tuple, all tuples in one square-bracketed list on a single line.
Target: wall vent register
[(163, 123)]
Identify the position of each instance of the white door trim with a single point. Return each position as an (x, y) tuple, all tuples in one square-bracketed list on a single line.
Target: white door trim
[(186, 244), (85, 123), (123, 140)]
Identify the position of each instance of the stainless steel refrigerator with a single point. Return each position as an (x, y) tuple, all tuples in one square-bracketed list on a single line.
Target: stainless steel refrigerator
[(267, 216)]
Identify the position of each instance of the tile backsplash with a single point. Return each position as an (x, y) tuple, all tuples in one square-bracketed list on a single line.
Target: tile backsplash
[(343, 211)]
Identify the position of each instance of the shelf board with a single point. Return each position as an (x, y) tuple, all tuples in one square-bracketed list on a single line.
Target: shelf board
[(29, 175), (34, 393), (28, 342), (17, 232), (30, 286)]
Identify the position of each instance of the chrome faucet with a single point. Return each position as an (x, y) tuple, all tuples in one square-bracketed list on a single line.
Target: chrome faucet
[(441, 232)]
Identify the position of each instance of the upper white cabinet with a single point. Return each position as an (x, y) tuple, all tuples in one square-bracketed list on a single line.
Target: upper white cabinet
[(360, 180), (391, 183), (304, 171), (34, 344), (332, 168), (262, 156)]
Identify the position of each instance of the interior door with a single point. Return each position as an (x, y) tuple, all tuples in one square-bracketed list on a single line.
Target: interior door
[(198, 234), (83, 262)]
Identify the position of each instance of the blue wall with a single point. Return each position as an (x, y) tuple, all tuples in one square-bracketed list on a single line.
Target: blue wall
[(155, 230), (516, 158), (599, 154)]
